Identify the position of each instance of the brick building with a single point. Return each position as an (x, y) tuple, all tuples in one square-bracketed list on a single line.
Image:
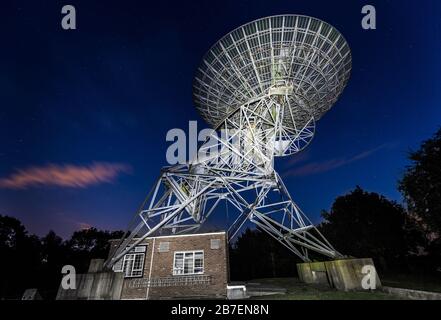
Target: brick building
[(178, 266)]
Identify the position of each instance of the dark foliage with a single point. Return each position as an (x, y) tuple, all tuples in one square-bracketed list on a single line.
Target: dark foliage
[(32, 262), (421, 184), (421, 188), (20, 258), (257, 255), (365, 224), (89, 243)]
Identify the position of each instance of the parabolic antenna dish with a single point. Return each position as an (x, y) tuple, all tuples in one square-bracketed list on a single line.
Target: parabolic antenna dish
[(292, 55)]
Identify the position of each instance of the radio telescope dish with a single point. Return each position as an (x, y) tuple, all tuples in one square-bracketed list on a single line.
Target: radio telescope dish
[(300, 57)]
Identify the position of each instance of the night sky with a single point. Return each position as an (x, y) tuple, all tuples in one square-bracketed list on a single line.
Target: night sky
[(84, 113)]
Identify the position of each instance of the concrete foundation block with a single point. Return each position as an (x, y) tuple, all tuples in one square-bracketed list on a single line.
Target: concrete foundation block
[(313, 273), (96, 265), (344, 274), (106, 286), (31, 294), (236, 292), (98, 285)]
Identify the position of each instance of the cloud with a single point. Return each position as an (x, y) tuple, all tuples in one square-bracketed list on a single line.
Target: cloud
[(299, 157), (84, 225), (328, 165), (68, 175)]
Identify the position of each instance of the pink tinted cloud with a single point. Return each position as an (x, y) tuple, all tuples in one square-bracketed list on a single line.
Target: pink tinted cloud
[(328, 165), (300, 157), (71, 176), (84, 225)]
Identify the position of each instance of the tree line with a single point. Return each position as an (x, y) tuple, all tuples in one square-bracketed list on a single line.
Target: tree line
[(29, 261)]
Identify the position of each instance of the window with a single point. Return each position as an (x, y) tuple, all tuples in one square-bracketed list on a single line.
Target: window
[(132, 264), (188, 262)]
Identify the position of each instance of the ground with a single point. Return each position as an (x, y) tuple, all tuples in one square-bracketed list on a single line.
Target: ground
[(296, 290), (421, 281)]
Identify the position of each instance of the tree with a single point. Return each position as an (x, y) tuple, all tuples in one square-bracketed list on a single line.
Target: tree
[(32, 262), (20, 256), (54, 255), (256, 255), (12, 233), (363, 224), (88, 244), (421, 188), (421, 184)]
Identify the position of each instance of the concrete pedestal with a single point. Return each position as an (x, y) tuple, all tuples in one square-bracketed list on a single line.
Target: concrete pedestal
[(313, 273), (344, 274), (31, 294), (94, 285), (236, 292)]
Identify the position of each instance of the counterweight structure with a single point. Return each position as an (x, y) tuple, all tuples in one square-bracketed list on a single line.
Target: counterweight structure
[(263, 86)]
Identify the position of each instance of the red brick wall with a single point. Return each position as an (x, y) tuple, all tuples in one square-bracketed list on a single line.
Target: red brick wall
[(166, 286)]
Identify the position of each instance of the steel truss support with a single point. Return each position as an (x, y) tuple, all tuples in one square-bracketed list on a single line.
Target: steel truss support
[(235, 169)]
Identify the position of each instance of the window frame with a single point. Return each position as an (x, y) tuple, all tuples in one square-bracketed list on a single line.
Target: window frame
[(176, 270), (131, 256)]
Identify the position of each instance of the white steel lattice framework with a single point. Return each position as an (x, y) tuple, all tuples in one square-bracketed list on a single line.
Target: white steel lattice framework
[(264, 85)]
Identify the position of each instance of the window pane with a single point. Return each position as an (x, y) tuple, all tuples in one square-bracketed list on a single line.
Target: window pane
[(140, 249), (128, 265), (138, 262), (179, 264), (137, 273), (198, 255), (198, 270), (179, 257), (188, 265), (198, 263), (179, 261)]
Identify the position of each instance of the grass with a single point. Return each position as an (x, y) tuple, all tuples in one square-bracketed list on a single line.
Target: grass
[(296, 290), (422, 282)]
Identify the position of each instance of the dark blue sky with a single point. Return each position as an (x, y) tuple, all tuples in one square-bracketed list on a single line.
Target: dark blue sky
[(103, 97)]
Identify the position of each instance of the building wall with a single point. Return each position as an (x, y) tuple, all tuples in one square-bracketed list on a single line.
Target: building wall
[(158, 281)]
